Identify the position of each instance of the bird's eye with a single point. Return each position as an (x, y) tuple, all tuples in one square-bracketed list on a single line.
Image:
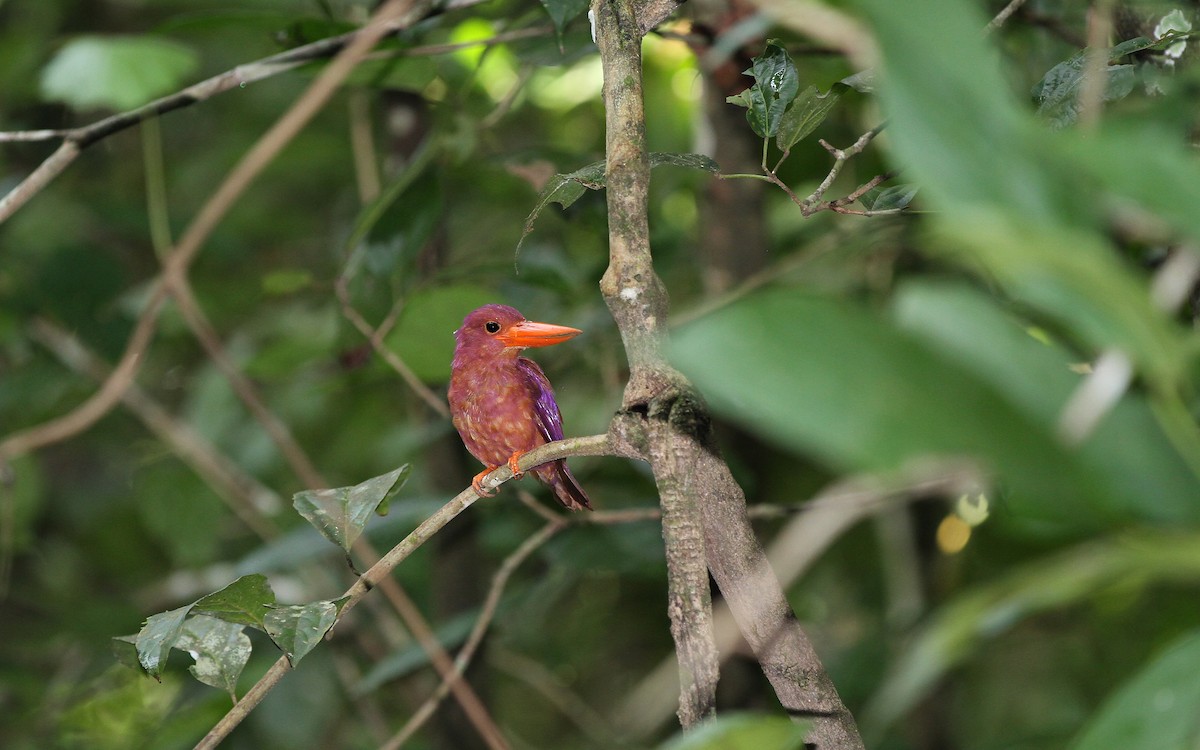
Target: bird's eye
[(491, 326)]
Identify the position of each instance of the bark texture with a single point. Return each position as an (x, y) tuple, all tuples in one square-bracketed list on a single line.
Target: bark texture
[(663, 419)]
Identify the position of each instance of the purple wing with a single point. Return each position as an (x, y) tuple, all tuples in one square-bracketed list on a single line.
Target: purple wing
[(545, 409)]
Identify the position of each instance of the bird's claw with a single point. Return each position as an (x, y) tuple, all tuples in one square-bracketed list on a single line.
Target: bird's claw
[(512, 465), (477, 483)]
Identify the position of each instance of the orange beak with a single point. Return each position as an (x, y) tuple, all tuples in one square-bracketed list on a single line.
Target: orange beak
[(528, 333)]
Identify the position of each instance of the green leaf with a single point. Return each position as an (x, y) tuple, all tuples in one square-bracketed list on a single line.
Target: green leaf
[(565, 189), (562, 12), (1075, 278), (220, 650), (1159, 709), (1057, 93), (1128, 452), (156, 638), (120, 72), (297, 629), (775, 86), (124, 648), (831, 380), (808, 110), (958, 628), (742, 732), (341, 513), (424, 333), (890, 198), (243, 602)]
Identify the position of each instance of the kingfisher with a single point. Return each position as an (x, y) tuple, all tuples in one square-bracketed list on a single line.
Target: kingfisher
[(502, 404)]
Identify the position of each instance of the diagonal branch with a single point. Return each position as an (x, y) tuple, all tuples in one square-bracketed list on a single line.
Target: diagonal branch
[(596, 445)]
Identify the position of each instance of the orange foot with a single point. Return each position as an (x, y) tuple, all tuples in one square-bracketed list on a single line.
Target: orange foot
[(512, 464), (477, 483)]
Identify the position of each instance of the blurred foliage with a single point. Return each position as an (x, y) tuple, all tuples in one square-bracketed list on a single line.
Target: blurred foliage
[(1028, 225)]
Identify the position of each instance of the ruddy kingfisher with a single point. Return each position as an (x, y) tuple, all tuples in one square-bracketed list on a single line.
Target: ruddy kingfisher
[(502, 404)]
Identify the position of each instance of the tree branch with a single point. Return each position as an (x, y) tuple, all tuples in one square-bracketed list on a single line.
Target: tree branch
[(596, 445), (638, 302), (704, 510)]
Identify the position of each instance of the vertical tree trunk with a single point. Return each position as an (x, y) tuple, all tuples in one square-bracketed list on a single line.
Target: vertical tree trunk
[(704, 515)]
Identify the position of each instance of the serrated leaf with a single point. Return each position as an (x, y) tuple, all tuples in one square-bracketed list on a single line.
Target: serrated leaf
[(743, 732), (119, 72), (565, 189), (1057, 93), (220, 650), (157, 636), (776, 84), (243, 602), (808, 110), (297, 629), (890, 198), (124, 648), (341, 513)]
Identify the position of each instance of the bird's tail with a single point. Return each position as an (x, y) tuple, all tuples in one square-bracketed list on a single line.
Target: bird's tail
[(566, 490)]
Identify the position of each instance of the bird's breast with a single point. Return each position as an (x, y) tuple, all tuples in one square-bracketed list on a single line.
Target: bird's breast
[(492, 409)]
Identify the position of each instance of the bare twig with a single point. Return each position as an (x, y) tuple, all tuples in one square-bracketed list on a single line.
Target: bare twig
[(375, 336), (244, 494), (597, 445), (812, 203), (1095, 75), (76, 139), (486, 613), (1005, 13)]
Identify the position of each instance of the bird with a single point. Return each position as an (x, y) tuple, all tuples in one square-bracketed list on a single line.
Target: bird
[(502, 404)]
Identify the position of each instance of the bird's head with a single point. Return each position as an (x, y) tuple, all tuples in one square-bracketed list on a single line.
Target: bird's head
[(494, 329)]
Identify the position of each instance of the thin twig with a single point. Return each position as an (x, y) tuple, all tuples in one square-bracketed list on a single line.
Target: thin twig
[(375, 337), (76, 139), (1005, 13), (242, 493), (811, 204), (486, 613), (236, 182), (279, 433)]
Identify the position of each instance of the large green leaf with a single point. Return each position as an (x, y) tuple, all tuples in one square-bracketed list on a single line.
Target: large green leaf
[(1159, 709), (1128, 451), (341, 513), (957, 629), (829, 379), (116, 72), (1011, 199), (776, 84)]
